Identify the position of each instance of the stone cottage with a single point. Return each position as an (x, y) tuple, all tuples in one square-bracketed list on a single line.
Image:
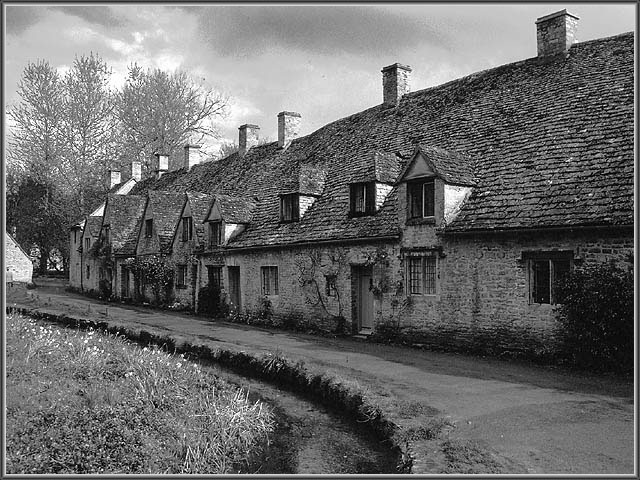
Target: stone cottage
[(450, 210), (18, 264)]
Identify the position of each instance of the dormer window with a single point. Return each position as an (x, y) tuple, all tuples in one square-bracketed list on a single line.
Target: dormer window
[(148, 227), (362, 198), (421, 198), (187, 229), (290, 207), (215, 234)]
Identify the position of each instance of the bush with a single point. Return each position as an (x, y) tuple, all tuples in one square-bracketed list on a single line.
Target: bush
[(596, 317), (212, 302), (104, 287)]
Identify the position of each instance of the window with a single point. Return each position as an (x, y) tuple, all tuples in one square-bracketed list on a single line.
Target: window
[(214, 275), (269, 280), (421, 275), (421, 198), (181, 276), (215, 233), (362, 198), (187, 229), (290, 208), (75, 239), (107, 234), (87, 246), (330, 285), (88, 271), (148, 227), (545, 269)]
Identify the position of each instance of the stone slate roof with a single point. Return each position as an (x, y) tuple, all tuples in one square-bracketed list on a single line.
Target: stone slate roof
[(453, 168), (549, 144), (199, 203), (235, 209), (123, 214), (93, 225), (166, 208), (376, 166)]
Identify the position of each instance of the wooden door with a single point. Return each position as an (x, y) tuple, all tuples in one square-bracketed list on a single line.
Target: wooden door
[(124, 282), (365, 299), (234, 286)]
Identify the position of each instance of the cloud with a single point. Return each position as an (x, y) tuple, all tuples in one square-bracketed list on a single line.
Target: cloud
[(247, 31), (95, 14), (20, 18)]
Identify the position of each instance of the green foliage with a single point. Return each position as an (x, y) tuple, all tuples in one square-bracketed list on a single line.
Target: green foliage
[(104, 288), (596, 317)]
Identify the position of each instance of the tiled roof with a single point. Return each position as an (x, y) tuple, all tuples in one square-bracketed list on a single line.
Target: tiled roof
[(452, 167), (376, 166), (550, 144), (123, 214), (92, 225), (166, 208), (199, 203), (235, 209)]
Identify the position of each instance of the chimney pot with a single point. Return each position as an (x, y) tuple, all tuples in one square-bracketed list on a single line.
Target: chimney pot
[(136, 170), (395, 83), (191, 156), (162, 163), (288, 128), (247, 137), (115, 178), (556, 33)]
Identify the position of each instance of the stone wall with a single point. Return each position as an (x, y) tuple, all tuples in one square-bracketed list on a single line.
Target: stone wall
[(75, 266), (483, 293), (17, 261)]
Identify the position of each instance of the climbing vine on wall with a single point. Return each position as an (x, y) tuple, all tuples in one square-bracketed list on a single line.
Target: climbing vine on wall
[(154, 271)]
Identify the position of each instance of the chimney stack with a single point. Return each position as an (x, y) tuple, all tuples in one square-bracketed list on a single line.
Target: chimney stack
[(288, 128), (395, 83), (556, 33), (136, 170), (115, 178), (162, 164), (191, 156), (247, 138)]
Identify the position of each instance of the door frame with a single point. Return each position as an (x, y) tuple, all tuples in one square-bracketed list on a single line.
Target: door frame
[(357, 272)]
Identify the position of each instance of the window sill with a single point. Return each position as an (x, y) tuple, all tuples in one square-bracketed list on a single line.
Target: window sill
[(360, 214), (421, 221), (181, 287)]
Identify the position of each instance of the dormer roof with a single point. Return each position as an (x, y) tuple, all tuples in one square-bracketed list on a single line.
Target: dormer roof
[(166, 208), (123, 215), (232, 209), (375, 166), (453, 168)]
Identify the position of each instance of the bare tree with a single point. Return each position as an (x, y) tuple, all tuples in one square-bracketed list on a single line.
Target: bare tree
[(160, 111)]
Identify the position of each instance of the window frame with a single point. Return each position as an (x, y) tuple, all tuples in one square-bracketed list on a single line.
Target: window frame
[(366, 191), (269, 281), (88, 272), (148, 227), (553, 259), (181, 276), (294, 198), (215, 240), (217, 277), (423, 185), (187, 229), (331, 288), (426, 274), (87, 243)]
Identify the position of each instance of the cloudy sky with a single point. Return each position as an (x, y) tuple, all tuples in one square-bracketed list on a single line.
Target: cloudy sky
[(322, 61)]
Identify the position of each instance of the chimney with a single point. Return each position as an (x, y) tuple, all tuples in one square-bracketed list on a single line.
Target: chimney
[(162, 164), (115, 178), (288, 128), (556, 33), (136, 170), (191, 156), (395, 83), (247, 137)]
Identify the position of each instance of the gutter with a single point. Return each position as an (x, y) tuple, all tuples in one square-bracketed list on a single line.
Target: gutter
[(313, 243), (534, 229)]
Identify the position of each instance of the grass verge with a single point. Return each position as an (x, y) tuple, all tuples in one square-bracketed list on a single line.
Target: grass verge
[(89, 402)]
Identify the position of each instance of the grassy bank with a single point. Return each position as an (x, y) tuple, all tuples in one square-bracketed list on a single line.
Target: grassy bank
[(86, 402)]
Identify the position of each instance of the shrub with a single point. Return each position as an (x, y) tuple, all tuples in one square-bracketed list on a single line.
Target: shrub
[(211, 301), (104, 287), (596, 317)]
